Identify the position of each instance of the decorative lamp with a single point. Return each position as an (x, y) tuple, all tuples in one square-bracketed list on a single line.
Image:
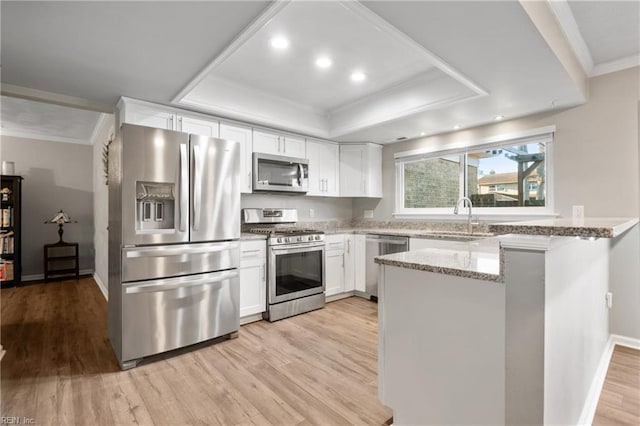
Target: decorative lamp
[(60, 219)]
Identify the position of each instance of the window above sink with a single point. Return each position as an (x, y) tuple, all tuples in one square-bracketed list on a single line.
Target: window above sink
[(508, 175)]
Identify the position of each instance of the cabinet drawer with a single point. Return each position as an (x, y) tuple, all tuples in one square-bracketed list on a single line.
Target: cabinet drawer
[(334, 242), (252, 250)]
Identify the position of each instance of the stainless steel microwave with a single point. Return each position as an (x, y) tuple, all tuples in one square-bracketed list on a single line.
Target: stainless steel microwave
[(280, 173)]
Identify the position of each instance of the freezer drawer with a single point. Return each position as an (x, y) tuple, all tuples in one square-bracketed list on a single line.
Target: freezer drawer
[(162, 315), (151, 262)]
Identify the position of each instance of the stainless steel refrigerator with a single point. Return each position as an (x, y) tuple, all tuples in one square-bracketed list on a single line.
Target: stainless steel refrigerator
[(174, 251)]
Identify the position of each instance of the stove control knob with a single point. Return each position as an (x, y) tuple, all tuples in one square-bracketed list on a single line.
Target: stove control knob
[(279, 240), (286, 240), (299, 238), (317, 237)]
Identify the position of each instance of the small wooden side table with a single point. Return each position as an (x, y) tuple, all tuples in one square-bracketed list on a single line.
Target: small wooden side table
[(61, 260)]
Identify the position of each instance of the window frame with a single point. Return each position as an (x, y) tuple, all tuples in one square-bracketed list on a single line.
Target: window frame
[(545, 135)]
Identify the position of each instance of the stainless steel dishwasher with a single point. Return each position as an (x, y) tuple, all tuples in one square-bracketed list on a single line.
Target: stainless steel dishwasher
[(379, 245)]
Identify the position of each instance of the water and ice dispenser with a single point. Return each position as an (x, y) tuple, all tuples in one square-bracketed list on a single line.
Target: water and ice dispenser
[(155, 207)]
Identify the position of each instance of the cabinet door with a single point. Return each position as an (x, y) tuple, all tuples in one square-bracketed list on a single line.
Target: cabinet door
[(269, 143), (359, 264), (243, 135), (373, 175), (314, 154), (198, 126), (352, 166), (150, 117), (334, 268), (349, 263), (253, 287), (331, 169), (294, 147)]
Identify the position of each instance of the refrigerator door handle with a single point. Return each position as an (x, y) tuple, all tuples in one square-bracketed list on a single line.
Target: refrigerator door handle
[(184, 187), (182, 282), (197, 187), (180, 250)]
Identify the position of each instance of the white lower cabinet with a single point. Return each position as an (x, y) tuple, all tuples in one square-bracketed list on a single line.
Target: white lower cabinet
[(345, 263), (349, 262), (334, 264), (359, 263), (253, 277)]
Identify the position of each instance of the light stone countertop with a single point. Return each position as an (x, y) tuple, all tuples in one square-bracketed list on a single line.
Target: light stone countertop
[(251, 236), (587, 228), (480, 260), (414, 233)]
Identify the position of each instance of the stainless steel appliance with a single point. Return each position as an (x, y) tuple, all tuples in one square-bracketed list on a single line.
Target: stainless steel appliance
[(379, 245), (296, 275), (174, 252), (279, 173)]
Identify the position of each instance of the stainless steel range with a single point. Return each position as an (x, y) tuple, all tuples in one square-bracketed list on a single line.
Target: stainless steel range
[(296, 275)]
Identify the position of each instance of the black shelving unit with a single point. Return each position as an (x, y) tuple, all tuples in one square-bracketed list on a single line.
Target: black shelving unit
[(11, 231)]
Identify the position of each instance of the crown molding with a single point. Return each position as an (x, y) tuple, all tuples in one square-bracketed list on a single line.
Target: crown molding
[(616, 65), (39, 136), (54, 98), (569, 26)]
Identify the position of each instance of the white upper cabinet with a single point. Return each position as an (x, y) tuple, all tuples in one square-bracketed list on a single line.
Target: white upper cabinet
[(361, 170), (279, 144), (150, 115), (323, 168), (198, 126), (144, 115), (244, 135)]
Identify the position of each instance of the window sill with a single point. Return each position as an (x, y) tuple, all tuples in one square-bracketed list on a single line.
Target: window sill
[(484, 216)]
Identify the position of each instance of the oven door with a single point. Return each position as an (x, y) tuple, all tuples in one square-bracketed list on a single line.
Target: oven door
[(295, 271)]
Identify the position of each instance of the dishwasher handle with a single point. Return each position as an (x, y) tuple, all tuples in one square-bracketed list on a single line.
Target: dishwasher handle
[(390, 241)]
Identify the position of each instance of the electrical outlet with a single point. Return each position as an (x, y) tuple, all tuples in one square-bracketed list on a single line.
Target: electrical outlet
[(368, 214), (578, 215), (312, 213), (609, 297)]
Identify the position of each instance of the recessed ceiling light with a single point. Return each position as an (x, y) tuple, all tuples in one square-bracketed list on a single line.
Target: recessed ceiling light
[(358, 76), (422, 133), (279, 42), (456, 127), (499, 117), (324, 62)]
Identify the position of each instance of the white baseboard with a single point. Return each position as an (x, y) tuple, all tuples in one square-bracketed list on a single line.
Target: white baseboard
[(101, 286), (250, 318), (629, 342), (339, 296), (593, 396), (37, 277)]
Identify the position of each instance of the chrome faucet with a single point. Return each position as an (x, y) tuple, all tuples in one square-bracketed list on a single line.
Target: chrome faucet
[(455, 211)]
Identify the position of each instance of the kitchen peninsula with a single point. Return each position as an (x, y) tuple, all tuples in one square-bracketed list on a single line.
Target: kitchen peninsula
[(515, 328)]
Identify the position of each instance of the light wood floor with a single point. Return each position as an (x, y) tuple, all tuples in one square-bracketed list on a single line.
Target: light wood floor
[(620, 397), (317, 368)]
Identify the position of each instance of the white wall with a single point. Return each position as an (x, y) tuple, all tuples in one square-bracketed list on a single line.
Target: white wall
[(596, 159), (56, 176), (325, 208), (101, 203), (624, 278)]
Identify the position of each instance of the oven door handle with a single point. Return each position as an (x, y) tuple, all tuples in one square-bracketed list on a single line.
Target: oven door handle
[(297, 247)]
